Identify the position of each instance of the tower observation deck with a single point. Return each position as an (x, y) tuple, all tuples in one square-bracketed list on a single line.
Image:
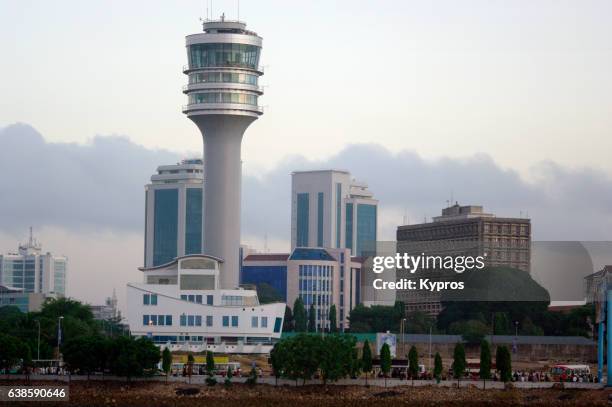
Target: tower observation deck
[(222, 94)]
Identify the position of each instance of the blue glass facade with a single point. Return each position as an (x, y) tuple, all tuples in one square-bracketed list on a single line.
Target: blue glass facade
[(276, 276), (320, 219), (193, 221), (304, 253), (338, 212), (366, 229), (349, 227), (165, 228), (302, 220)]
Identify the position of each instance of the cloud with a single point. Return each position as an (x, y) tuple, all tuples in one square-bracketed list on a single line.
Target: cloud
[(99, 185), (93, 186)]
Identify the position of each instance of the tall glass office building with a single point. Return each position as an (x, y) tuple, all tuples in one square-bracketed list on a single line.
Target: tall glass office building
[(174, 216), (29, 270), (332, 210)]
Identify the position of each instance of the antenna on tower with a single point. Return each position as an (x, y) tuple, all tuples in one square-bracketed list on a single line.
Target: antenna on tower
[(266, 243), (238, 1)]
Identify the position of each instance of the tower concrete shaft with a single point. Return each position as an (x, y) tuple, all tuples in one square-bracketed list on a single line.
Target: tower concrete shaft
[(222, 95)]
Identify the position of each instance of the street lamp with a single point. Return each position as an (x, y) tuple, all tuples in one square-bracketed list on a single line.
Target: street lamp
[(516, 323), (59, 332)]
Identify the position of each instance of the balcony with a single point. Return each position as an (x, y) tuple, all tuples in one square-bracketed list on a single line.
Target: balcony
[(258, 69)]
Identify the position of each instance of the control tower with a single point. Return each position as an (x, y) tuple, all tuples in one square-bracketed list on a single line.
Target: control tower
[(222, 93)]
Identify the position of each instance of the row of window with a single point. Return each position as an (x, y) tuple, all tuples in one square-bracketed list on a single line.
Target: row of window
[(223, 97), (197, 298), (311, 270), (197, 320), (314, 285), (162, 320), (223, 54), (220, 77), (314, 299)]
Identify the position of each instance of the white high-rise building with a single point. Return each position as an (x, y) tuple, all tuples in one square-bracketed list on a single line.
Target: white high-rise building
[(173, 212), (330, 209), (32, 271)]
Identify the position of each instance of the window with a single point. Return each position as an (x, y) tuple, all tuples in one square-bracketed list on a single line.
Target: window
[(225, 320), (197, 282), (190, 320), (264, 322), (209, 300), (209, 320), (198, 320), (153, 320), (278, 322), (168, 320), (183, 320), (183, 297), (198, 299), (320, 219), (165, 226), (161, 320), (254, 322), (145, 320), (234, 320), (302, 220), (146, 299), (191, 298), (153, 299)]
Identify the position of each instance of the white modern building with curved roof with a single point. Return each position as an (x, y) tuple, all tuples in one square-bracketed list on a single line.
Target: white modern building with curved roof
[(181, 305)]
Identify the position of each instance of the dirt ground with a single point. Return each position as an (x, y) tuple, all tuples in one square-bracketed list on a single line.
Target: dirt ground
[(161, 394)]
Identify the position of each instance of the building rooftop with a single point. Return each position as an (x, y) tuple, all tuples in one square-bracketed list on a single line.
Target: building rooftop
[(267, 257), (311, 253)]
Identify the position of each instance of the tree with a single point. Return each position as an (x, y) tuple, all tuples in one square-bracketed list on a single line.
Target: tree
[(299, 315), (335, 356), (385, 361), (312, 319), (333, 324), (278, 359), (228, 377), (366, 359), (377, 318), (288, 320), (80, 354), (166, 362), (9, 353), (485, 362), (268, 294), (438, 368), (190, 361), (504, 363), (418, 322), (210, 369), (413, 363), (472, 331), (459, 362)]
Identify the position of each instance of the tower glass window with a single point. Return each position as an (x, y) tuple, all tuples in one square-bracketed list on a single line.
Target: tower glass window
[(302, 220), (165, 226), (348, 235), (366, 228), (320, 219), (223, 54), (223, 97), (338, 212), (193, 221)]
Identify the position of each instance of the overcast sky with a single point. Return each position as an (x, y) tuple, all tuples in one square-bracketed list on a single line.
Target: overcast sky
[(504, 103)]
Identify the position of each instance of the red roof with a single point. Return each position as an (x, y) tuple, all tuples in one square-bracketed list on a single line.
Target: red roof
[(267, 257)]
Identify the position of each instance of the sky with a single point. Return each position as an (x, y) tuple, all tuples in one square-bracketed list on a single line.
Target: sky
[(501, 103)]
